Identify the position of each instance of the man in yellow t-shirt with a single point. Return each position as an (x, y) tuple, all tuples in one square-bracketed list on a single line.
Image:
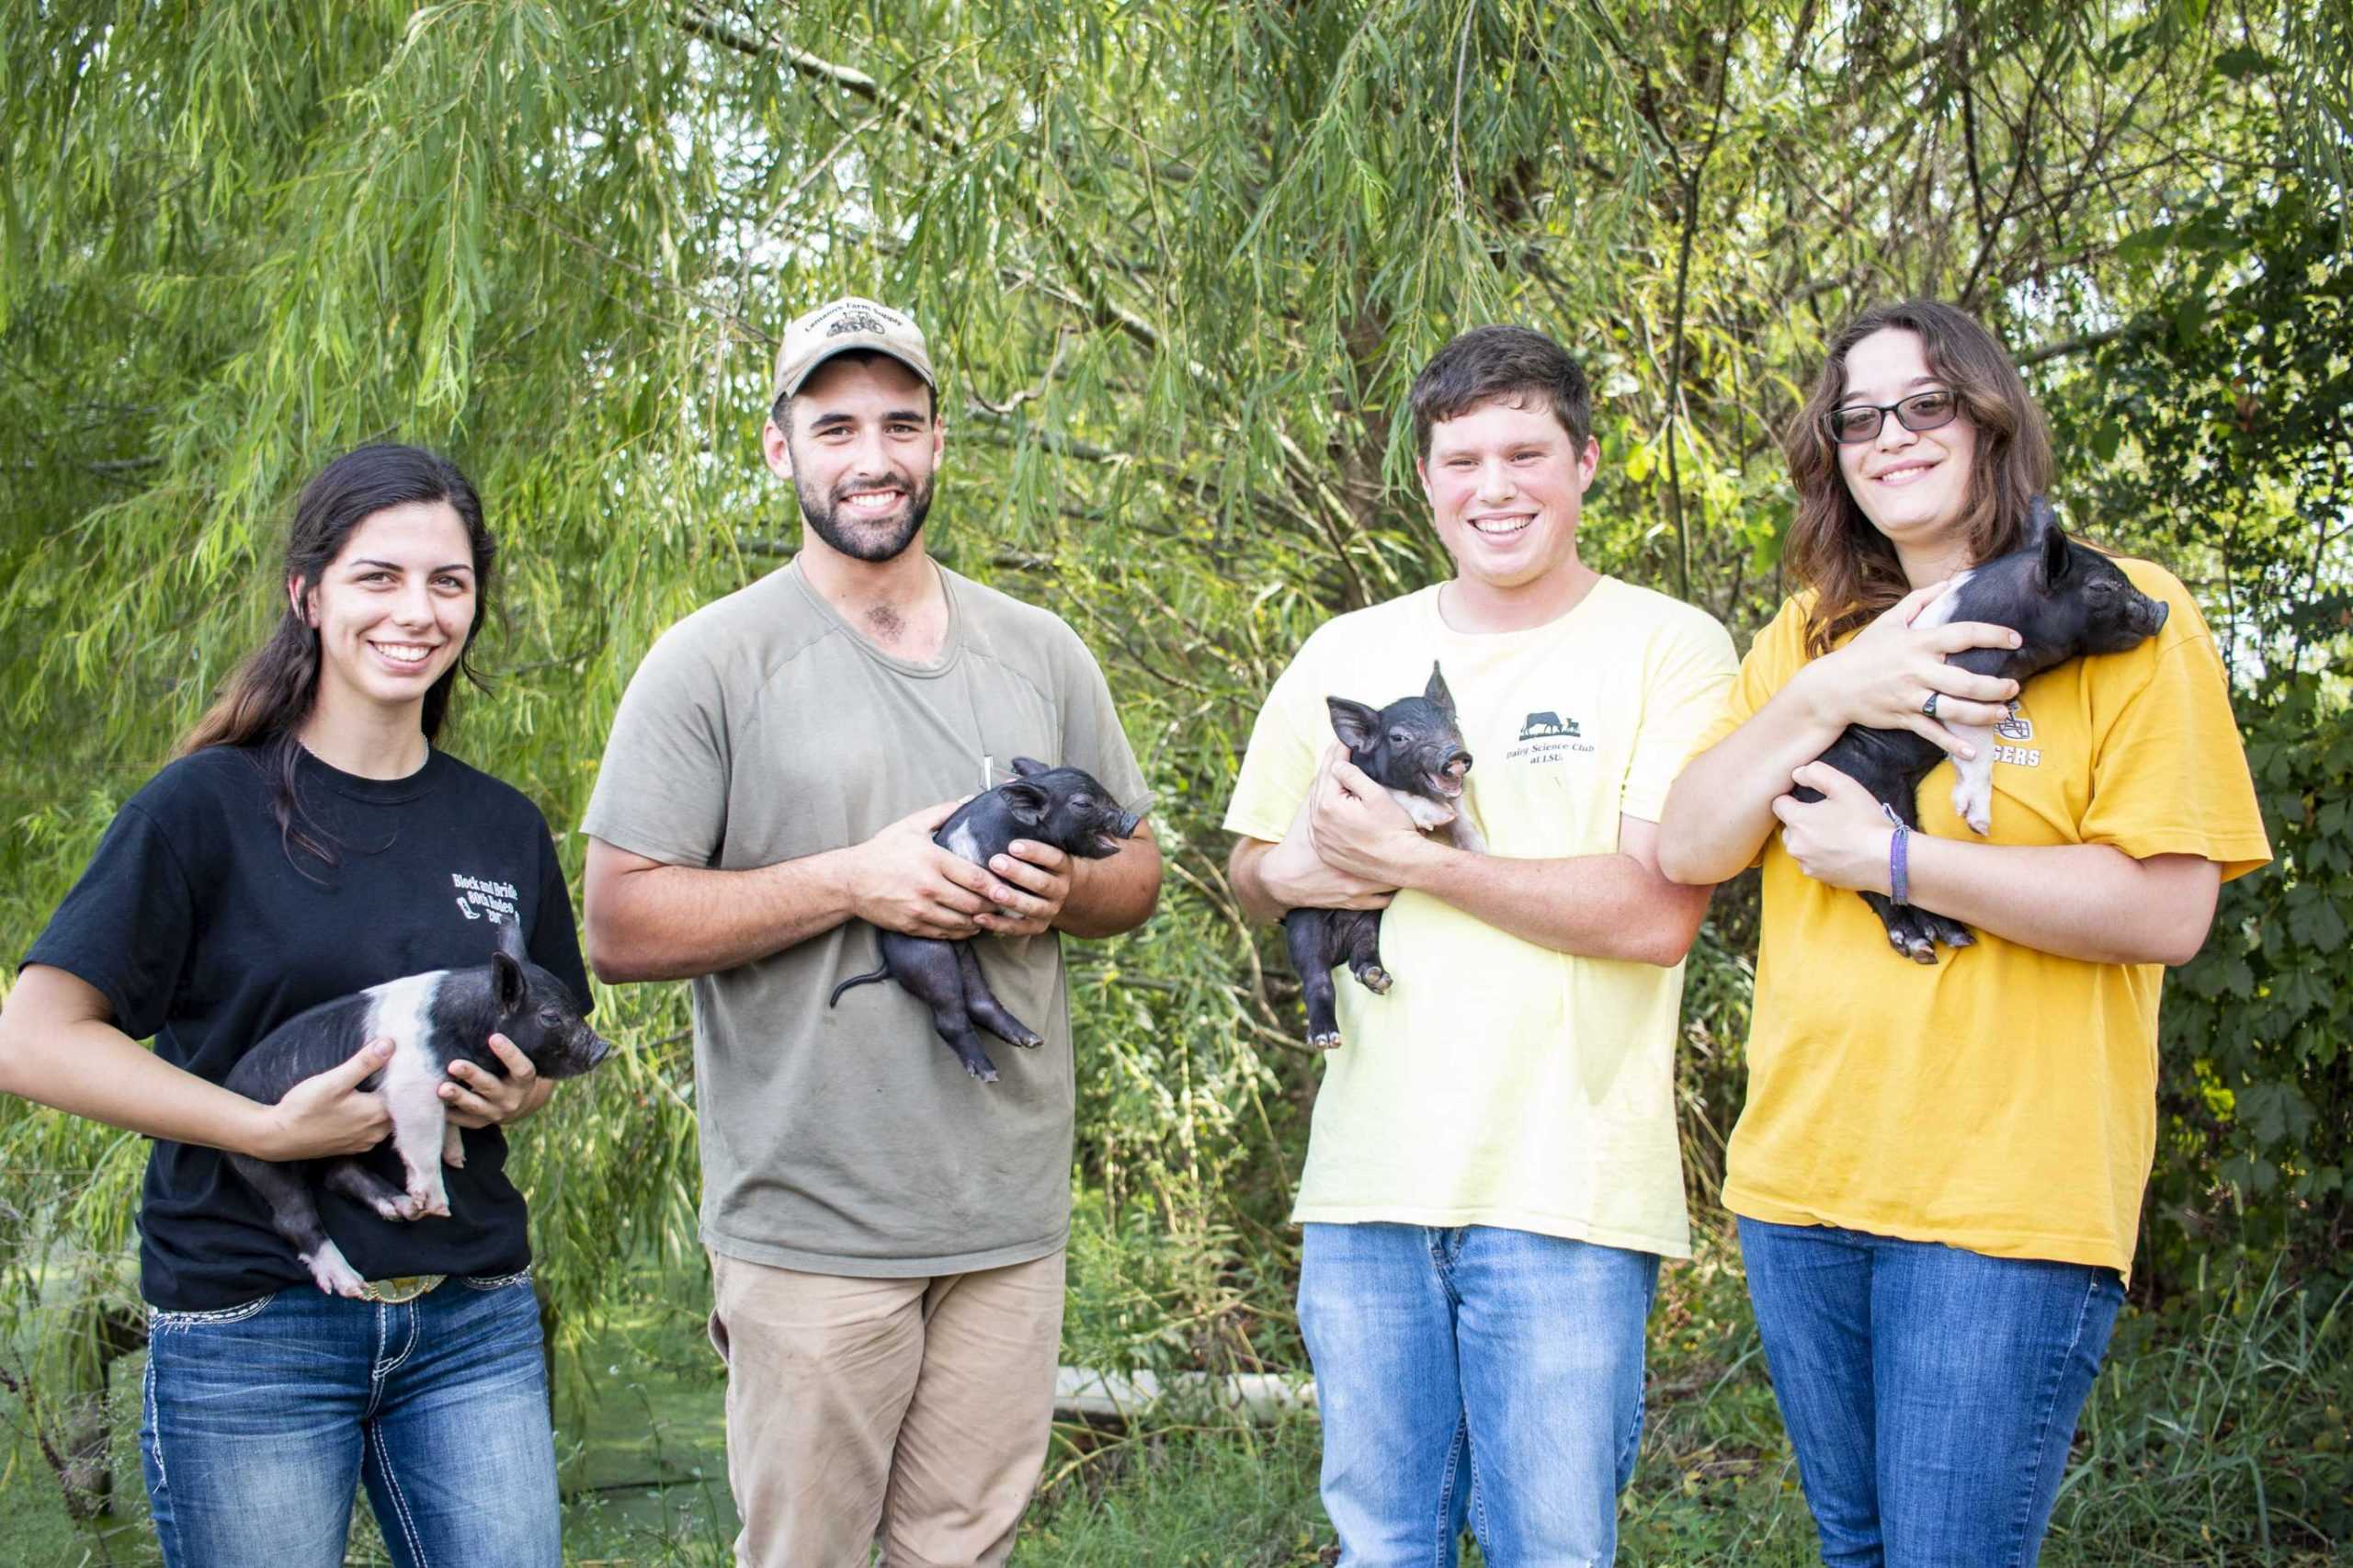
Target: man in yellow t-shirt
[(1492, 1171)]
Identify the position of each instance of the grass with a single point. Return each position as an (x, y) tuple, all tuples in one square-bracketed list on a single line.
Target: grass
[(2217, 1435)]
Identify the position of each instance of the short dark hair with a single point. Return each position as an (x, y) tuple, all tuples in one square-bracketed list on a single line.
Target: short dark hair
[(780, 412), (1491, 362)]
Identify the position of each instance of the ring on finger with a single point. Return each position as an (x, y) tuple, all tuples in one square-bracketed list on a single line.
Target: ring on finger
[(1929, 707)]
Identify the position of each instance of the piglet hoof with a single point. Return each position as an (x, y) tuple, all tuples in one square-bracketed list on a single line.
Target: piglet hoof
[(1030, 1041), (985, 1074), (401, 1208), (334, 1275), (1376, 979), (1323, 1041), (432, 1204)]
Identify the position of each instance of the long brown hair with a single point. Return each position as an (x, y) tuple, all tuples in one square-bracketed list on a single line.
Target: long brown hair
[(1832, 548), (266, 700)]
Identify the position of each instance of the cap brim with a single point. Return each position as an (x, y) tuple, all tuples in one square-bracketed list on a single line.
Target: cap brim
[(852, 343)]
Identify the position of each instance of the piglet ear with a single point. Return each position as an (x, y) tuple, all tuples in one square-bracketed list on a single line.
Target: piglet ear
[(2051, 569), (506, 978), (1027, 802), (1436, 691), (1028, 766), (2040, 518), (1353, 722)]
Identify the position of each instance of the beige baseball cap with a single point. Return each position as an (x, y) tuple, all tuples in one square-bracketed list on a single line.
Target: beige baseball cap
[(840, 325)]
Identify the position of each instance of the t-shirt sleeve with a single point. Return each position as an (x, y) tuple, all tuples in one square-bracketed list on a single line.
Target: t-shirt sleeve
[(1279, 767), (662, 790), (127, 927), (555, 939), (2169, 775), (1772, 659), (1092, 738), (1684, 691)]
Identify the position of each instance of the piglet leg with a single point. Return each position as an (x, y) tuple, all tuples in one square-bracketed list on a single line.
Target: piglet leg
[(930, 972), (294, 1213), (453, 1148), (982, 1005), (1308, 934), (420, 1121), (363, 1185), (1359, 933), (1973, 787)]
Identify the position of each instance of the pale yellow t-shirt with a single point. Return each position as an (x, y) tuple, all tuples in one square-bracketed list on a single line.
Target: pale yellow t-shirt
[(1499, 1082), (2003, 1100)]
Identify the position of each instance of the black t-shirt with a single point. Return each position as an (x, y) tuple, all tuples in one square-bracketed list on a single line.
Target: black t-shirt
[(198, 929)]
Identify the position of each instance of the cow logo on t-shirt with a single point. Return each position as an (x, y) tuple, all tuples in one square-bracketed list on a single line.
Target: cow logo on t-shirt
[(1548, 738), (483, 899), (1546, 722)]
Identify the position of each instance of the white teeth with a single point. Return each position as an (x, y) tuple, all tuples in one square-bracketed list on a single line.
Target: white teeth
[(1495, 527), (403, 653)]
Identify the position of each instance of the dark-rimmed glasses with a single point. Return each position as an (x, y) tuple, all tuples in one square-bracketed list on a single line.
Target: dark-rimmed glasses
[(1863, 421)]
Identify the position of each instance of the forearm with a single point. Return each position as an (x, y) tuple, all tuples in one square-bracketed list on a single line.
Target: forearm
[(89, 1068), (1721, 809), (1114, 894), (1599, 906), (2078, 901), (678, 922)]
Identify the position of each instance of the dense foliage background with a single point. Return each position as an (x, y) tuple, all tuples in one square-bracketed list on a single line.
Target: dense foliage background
[(1178, 264)]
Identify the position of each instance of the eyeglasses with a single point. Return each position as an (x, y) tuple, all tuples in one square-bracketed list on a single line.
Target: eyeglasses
[(1863, 421)]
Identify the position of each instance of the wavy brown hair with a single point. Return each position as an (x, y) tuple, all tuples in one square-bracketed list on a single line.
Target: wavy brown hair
[(266, 698), (1832, 548)]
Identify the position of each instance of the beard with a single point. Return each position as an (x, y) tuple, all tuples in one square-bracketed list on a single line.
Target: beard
[(877, 538)]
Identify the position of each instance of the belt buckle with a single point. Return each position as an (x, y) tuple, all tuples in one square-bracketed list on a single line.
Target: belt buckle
[(399, 1289)]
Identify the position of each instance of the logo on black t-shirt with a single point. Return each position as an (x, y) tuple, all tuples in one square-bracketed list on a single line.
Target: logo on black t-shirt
[(479, 899)]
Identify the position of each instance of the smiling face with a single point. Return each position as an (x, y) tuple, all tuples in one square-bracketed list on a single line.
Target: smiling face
[(1506, 485), (394, 608), (861, 455), (1912, 486)]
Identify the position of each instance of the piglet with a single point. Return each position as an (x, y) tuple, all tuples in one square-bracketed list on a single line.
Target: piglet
[(432, 1019), (1412, 748), (1062, 806), (2064, 600)]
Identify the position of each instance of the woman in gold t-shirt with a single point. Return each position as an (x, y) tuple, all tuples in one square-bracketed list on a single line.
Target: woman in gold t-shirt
[(1939, 1169)]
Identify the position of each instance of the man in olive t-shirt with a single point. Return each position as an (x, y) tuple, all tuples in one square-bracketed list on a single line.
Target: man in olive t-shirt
[(886, 1233)]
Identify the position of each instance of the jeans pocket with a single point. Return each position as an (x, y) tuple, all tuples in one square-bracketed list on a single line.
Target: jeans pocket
[(161, 1321), (497, 1281)]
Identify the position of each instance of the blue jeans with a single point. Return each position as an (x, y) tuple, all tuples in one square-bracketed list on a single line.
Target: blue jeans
[(1476, 1375), (1931, 1394), (258, 1421)]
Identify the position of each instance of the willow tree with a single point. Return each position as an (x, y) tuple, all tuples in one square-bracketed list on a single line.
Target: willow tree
[(1178, 264)]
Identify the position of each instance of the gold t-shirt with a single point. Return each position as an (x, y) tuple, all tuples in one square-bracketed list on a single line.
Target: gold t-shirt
[(2003, 1100)]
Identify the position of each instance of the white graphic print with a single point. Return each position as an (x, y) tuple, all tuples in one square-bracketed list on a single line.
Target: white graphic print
[(479, 899)]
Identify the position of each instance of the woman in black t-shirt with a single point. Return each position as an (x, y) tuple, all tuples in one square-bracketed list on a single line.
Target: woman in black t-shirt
[(308, 842)]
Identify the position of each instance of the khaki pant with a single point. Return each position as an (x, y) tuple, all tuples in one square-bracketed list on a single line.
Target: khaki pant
[(911, 1411)]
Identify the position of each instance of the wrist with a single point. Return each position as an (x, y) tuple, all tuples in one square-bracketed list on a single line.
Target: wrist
[(257, 1130), (1421, 861)]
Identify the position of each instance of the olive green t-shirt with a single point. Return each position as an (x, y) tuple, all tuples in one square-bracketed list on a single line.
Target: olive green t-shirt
[(848, 1140)]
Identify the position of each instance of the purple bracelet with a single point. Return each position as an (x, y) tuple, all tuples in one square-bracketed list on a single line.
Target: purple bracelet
[(1899, 865)]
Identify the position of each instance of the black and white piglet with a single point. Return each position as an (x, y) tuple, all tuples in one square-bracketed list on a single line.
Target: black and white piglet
[(1412, 748), (1062, 806), (432, 1019), (2064, 600)]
